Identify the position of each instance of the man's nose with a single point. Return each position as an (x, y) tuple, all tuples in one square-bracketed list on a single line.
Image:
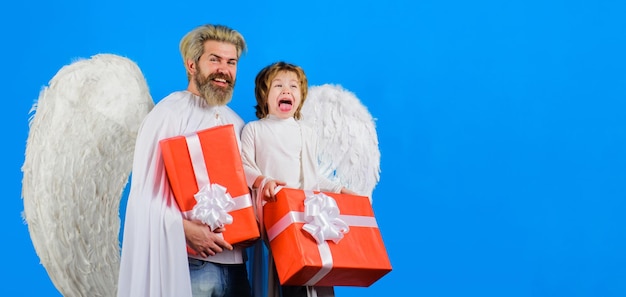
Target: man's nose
[(222, 67)]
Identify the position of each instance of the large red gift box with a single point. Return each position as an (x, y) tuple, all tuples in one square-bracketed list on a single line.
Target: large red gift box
[(211, 157), (359, 258)]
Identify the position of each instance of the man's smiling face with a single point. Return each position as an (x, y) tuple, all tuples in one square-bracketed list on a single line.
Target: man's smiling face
[(216, 71)]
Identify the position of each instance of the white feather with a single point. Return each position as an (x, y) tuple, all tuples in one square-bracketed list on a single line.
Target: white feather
[(348, 143), (78, 159)]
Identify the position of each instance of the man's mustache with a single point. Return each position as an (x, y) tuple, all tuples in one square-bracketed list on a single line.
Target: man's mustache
[(223, 76)]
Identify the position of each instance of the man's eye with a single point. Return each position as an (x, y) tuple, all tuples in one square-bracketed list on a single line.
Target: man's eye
[(232, 63)]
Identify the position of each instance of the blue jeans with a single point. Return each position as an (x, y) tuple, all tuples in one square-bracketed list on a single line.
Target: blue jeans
[(218, 280)]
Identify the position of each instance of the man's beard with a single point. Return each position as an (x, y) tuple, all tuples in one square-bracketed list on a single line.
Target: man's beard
[(214, 95)]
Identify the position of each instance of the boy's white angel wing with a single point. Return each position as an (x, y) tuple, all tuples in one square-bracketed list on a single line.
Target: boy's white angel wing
[(78, 158), (348, 143)]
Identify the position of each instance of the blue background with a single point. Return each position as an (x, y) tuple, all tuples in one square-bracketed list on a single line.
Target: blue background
[(502, 124)]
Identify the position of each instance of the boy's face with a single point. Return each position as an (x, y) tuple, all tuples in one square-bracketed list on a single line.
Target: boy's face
[(284, 95)]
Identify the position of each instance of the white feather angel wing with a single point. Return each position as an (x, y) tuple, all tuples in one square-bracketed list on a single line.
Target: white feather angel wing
[(348, 143), (78, 159)]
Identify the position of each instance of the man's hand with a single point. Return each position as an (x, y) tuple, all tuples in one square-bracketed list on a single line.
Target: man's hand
[(204, 241)]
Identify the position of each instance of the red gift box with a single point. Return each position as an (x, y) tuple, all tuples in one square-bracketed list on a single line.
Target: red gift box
[(211, 157), (358, 258)]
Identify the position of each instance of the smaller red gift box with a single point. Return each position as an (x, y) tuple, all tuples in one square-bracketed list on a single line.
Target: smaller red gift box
[(210, 157), (358, 259)]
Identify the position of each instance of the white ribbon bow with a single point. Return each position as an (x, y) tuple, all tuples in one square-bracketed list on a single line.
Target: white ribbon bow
[(213, 205), (321, 215)]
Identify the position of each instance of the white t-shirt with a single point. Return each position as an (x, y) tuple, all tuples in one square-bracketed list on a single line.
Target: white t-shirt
[(283, 149)]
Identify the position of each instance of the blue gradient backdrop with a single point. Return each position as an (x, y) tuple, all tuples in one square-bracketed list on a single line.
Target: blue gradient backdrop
[(502, 124)]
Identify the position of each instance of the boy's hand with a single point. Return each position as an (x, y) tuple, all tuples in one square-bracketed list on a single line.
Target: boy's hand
[(269, 189)]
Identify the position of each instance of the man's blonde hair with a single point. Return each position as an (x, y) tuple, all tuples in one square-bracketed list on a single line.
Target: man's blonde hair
[(192, 44)]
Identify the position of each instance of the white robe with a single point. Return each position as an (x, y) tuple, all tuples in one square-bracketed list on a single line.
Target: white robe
[(285, 150), (154, 255)]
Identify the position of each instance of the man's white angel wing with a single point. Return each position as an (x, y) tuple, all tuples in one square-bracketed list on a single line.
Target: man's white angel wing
[(348, 143), (78, 159)]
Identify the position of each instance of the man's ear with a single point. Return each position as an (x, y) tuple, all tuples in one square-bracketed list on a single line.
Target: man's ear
[(191, 66)]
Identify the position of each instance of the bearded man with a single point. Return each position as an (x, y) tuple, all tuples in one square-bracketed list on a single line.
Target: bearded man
[(154, 258)]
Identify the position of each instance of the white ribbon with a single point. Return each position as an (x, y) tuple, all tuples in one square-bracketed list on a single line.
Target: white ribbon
[(321, 215), (212, 206), (212, 201)]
